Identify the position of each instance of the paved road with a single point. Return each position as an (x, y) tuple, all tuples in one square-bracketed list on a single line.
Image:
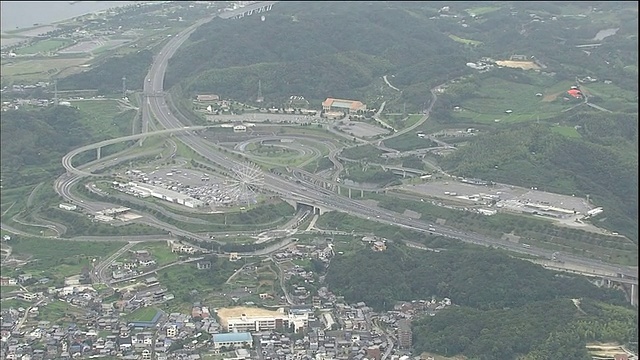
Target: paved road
[(314, 195), (27, 313), (101, 271), (283, 285), (305, 191)]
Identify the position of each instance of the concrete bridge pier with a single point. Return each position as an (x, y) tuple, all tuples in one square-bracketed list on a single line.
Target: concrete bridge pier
[(349, 193), (361, 193), (338, 190), (634, 295), (98, 155)]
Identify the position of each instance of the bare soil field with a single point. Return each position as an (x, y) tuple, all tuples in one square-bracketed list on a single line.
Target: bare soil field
[(526, 65)]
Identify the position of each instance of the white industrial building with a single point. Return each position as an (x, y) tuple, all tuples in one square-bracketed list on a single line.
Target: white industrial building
[(145, 190), (69, 207)]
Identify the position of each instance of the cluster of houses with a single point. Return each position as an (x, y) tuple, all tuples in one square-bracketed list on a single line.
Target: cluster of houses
[(98, 324)]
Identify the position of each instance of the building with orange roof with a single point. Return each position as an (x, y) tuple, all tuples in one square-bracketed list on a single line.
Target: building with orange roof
[(575, 93), (346, 106)]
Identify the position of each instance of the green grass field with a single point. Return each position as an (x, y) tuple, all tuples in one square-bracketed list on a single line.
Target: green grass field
[(409, 141), (14, 303), (568, 131), (465, 41), (143, 314), (102, 117), (5, 289), (58, 258), (44, 46), (181, 280), (495, 96), (159, 251), (57, 310), (611, 96), (14, 200), (480, 10)]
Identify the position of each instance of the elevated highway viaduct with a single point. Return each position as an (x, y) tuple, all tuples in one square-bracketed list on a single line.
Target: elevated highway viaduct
[(310, 194), (306, 193)]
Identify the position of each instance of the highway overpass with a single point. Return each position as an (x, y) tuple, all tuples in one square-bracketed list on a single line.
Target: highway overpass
[(304, 192)]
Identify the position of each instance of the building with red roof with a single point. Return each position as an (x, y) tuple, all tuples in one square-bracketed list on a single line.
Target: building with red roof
[(346, 106), (575, 93)]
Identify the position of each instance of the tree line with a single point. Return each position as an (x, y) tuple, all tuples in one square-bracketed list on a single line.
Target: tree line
[(503, 307)]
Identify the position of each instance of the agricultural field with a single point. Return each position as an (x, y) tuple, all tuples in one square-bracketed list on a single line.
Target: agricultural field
[(56, 259), (188, 284), (43, 46), (40, 69), (93, 46), (14, 303), (524, 65), (11, 40), (253, 280), (57, 311), (6, 289)]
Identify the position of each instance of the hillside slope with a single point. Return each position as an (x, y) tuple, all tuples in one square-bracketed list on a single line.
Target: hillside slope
[(316, 50)]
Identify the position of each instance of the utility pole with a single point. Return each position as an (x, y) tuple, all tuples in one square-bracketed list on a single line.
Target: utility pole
[(260, 98), (55, 92)]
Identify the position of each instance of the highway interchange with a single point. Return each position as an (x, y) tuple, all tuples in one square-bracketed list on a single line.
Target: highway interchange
[(298, 189)]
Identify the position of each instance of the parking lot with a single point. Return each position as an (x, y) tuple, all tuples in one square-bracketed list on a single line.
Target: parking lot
[(500, 192), (263, 117), (360, 129), (211, 190)]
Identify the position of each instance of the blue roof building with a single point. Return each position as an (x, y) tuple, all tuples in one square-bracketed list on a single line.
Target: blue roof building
[(239, 339)]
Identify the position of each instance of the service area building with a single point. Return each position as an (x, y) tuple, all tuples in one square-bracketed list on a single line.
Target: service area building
[(346, 106)]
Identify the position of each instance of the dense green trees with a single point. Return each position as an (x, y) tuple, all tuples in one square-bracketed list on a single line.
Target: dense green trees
[(317, 50), (482, 279), (37, 140), (503, 307), (603, 164), (107, 76)]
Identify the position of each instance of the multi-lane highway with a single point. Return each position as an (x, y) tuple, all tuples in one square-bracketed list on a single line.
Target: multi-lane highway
[(299, 190)]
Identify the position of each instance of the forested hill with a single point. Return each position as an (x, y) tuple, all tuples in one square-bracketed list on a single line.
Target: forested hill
[(318, 49), (602, 163), (503, 307), (33, 142), (482, 279)]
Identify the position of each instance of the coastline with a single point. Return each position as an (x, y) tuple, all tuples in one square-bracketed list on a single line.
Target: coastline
[(90, 7)]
